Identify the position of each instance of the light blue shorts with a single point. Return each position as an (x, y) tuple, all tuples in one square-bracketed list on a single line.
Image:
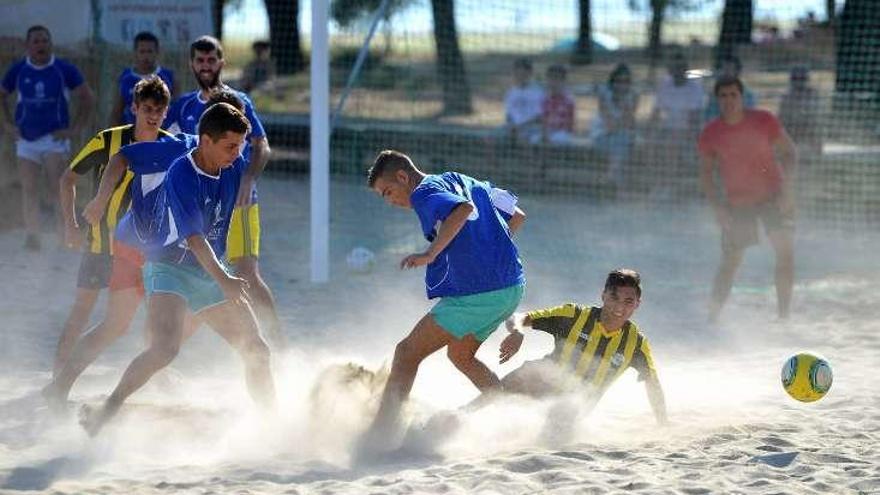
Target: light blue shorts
[(477, 314), (192, 283)]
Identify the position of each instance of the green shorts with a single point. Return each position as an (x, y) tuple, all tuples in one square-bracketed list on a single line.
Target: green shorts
[(477, 314), (192, 283)]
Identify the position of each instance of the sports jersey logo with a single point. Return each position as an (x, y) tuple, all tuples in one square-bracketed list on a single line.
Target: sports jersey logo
[(40, 90), (617, 359), (584, 337)]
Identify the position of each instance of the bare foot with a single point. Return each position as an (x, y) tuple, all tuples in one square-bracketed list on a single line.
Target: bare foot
[(56, 402), (92, 418)]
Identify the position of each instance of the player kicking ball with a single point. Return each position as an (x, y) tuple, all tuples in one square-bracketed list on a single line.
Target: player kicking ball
[(185, 238), (472, 265)]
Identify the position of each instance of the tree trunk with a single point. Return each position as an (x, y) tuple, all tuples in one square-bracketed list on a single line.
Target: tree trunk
[(858, 48), (450, 64), (655, 32), (736, 28), (583, 50), (217, 17), (284, 35), (830, 11)]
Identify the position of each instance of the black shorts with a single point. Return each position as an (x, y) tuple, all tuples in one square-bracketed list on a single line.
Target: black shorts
[(94, 271), (743, 229)]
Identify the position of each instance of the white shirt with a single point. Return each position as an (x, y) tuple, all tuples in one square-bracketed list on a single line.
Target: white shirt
[(522, 104), (676, 102)]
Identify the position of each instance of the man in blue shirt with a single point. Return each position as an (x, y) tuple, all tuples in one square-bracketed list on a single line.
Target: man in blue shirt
[(472, 265), (146, 55), (206, 61), (183, 236), (41, 126)]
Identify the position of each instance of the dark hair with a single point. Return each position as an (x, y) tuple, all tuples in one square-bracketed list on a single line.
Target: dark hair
[(733, 59), (387, 162), (152, 88), (205, 44), (624, 277), (225, 95), (620, 70), (725, 81), (147, 37), (37, 28), (260, 45), (557, 70), (221, 118), (523, 63)]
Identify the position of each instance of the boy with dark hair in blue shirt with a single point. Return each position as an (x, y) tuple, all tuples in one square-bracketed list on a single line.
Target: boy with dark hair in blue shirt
[(146, 55), (183, 236), (41, 126), (472, 265)]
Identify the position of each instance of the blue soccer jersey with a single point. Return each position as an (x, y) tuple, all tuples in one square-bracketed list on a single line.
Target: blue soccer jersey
[(42, 95), (145, 225), (197, 203), (482, 257), (129, 78)]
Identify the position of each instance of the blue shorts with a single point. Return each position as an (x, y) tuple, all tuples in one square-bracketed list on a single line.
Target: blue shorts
[(477, 314), (192, 283)]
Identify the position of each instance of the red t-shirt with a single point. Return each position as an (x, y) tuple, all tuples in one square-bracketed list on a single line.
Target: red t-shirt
[(745, 156), (558, 112)]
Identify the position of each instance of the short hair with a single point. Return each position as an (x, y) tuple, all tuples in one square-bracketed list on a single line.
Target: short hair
[(205, 44), (145, 36), (388, 162), (733, 59), (726, 81), (152, 88), (619, 71), (523, 63), (225, 95), (624, 277), (221, 118), (35, 29), (260, 45), (557, 70)]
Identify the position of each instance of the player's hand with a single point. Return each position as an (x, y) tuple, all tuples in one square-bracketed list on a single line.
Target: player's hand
[(235, 289), (245, 190), (12, 131), (63, 134), (509, 346), (93, 212), (415, 260), (72, 237), (722, 216)]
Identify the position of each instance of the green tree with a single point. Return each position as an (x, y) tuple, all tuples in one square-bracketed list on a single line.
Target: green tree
[(858, 48), (736, 28), (660, 10), (283, 31), (583, 48), (450, 63)]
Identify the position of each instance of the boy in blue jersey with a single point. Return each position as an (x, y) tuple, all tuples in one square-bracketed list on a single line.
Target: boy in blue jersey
[(42, 127), (206, 61), (183, 236), (146, 55), (472, 265)]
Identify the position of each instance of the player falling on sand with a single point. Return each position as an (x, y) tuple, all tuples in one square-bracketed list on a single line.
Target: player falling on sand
[(592, 347), (743, 144), (207, 62), (151, 98), (472, 264), (183, 239)]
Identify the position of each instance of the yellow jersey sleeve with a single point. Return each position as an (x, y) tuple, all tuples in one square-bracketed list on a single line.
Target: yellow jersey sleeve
[(556, 321), (642, 360), (93, 154)]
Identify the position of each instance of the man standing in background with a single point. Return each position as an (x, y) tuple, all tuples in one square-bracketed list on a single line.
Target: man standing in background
[(146, 63)]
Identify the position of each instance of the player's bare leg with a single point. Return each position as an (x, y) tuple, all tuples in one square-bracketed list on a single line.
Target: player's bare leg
[(73, 327), (783, 244), (236, 323), (167, 315), (730, 261), (55, 165), (247, 267), (29, 175), (462, 354)]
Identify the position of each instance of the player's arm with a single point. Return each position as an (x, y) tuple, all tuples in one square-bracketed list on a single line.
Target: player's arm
[(84, 108), (116, 113), (708, 162), (234, 288), (449, 228), (516, 220), (6, 119), (113, 173), (656, 398), (258, 160), (511, 344), (787, 153)]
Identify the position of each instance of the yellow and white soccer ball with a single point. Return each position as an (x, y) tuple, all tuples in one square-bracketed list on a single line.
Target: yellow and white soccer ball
[(807, 376)]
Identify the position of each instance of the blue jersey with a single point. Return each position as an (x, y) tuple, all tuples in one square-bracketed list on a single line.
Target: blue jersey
[(482, 257), (197, 203), (145, 225), (129, 78), (187, 110), (42, 95)]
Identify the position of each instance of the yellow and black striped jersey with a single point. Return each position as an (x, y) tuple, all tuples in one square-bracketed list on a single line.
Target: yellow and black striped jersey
[(95, 156), (583, 346)]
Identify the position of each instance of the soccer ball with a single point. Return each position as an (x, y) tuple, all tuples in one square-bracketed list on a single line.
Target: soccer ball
[(360, 260), (806, 376)]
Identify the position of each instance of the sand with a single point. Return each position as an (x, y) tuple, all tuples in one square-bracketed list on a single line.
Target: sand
[(734, 430)]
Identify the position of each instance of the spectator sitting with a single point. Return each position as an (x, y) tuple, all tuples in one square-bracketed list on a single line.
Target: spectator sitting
[(557, 109), (730, 67), (522, 104), (799, 112), (260, 70), (614, 128)]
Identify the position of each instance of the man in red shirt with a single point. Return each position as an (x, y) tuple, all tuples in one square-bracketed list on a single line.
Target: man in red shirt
[(742, 144), (557, 109)]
